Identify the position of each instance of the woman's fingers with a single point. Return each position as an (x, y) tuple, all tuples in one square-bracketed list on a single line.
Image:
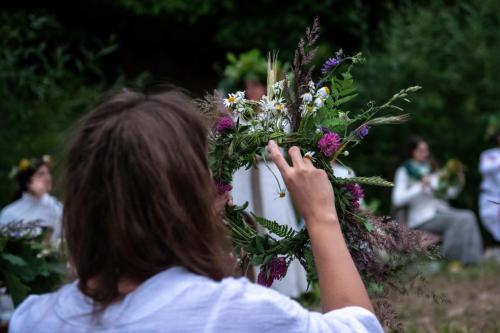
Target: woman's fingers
[(296, 157), (277, 157)]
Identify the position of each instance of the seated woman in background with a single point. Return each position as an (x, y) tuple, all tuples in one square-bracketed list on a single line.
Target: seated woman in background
[(415, 186), (32, 201), (143, 231)]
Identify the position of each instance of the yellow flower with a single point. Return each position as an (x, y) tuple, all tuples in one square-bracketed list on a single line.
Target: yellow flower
[(24, 164)]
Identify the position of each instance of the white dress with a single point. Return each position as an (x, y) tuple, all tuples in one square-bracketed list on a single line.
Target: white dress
[(489, 199), (47, 210), (176, 300), (259, 188)]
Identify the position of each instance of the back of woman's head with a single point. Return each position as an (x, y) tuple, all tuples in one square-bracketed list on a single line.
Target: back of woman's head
[(139, 195)]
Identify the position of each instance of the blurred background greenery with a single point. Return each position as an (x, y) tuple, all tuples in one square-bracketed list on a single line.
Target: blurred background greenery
[(58, 58)]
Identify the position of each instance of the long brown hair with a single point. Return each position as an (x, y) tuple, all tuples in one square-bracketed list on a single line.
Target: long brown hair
[(138, 194)]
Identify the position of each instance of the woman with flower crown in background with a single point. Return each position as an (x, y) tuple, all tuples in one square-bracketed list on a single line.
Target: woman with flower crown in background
[(418, 187), (32, 201), (489, 167)]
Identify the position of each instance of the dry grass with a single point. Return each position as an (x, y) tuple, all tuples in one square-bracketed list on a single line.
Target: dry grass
[(473, 295)]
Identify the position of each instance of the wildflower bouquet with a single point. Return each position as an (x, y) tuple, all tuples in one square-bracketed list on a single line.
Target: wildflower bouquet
[(450, 176), (28, 264), (311, 114)]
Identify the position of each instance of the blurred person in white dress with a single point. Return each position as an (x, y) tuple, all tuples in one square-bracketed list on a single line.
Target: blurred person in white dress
[(32, 200), (416, 184), (489, 199)]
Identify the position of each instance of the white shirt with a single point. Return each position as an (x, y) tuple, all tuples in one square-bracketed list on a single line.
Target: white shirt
[(176, 300), (47, 210), (421, 201), (489, 166)]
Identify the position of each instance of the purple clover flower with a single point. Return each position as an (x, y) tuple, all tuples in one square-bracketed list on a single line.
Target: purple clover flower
[(329, 143), (274, 270), (363, 131), (221, 187), (357, 194), (224, 124), (264, 279)]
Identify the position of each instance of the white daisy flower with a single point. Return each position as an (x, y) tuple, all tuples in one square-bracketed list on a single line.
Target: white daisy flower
[(323, 92), (312, 87), (309, 155), (278, 87), (234, 99), (319, 102), (307, 98), (267, 104)]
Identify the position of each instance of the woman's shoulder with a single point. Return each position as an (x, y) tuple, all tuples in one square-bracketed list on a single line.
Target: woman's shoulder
[(33, 310), (10, 212), (52, 201)]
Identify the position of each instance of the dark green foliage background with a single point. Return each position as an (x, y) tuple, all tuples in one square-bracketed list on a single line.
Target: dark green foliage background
[(56, 59)]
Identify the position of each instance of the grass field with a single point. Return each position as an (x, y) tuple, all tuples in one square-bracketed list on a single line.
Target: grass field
[(473, 301)]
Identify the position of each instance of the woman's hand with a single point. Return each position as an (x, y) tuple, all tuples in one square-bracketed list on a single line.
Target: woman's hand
[(339, 282), (310, 188)]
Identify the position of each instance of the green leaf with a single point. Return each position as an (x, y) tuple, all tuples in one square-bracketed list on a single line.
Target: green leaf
[(13, 259), (375, 181), (3, 242), (258, 260), (345, 99), (368, 225), (259, 245), (17, 290)]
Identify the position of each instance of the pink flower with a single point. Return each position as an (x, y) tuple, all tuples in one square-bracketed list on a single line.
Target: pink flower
[(329, 143), (222, 187), (357, 194), (274, 270), (264, 279), (224, 124)]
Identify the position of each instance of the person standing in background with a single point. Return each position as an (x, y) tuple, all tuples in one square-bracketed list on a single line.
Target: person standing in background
[(415, 186), (255, 185), (32, 201), (489, 167)]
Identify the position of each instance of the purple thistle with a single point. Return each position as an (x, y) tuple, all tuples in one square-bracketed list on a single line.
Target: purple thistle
[(357, 194), (221, 187), (274, 270), (329, 143), (363, 131), (329, 64), (264, 279), (224, 124)]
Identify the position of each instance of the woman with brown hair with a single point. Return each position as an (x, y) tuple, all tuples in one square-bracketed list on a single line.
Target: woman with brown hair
[(146, 240)]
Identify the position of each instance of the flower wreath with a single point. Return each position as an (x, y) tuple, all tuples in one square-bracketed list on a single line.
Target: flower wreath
[(310, 114), (26, 164)]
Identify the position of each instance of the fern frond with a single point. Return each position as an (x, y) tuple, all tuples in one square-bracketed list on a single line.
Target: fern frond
[(274, 227)]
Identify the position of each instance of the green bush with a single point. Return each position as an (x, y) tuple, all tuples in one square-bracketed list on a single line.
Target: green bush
[(45, 84), (452, 50)]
